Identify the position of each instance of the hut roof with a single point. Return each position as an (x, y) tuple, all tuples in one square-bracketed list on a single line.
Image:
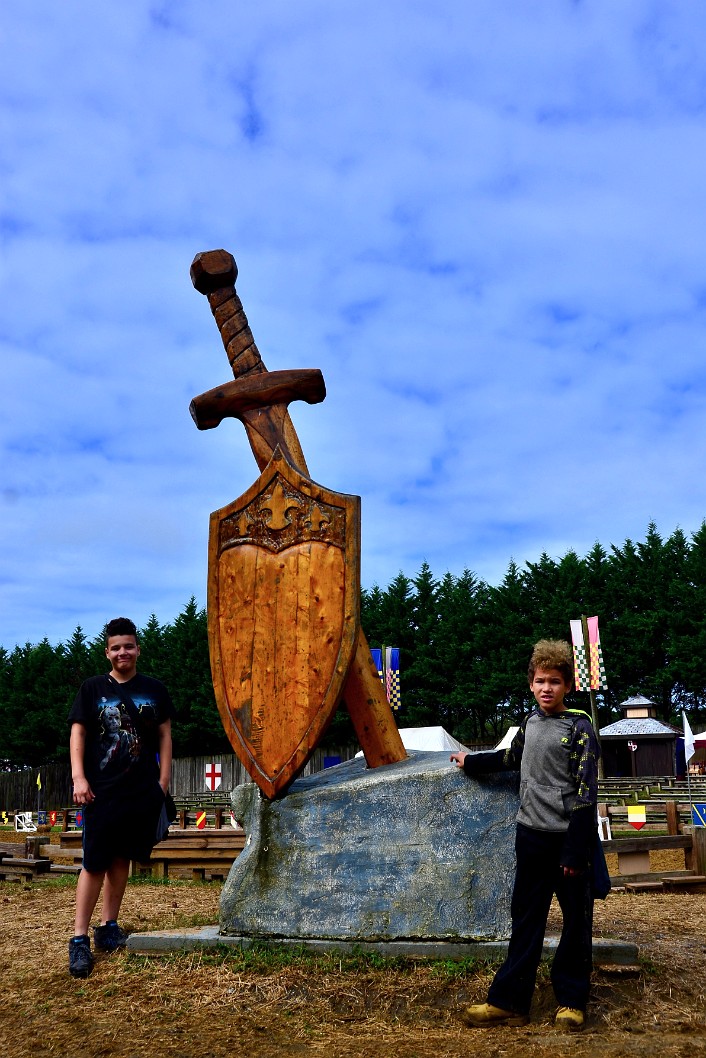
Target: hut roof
[(647, 725)]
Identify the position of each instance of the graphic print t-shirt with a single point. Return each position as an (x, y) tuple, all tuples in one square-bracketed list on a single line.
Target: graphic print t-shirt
[(116, 750)]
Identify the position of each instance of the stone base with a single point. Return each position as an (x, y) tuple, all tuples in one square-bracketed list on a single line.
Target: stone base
[(415, 851), (608, 953)]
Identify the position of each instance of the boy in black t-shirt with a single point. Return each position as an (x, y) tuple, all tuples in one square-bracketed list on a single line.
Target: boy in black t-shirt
[(121, 759)]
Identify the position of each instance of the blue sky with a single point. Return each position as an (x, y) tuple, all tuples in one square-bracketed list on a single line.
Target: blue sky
[(484, 223)]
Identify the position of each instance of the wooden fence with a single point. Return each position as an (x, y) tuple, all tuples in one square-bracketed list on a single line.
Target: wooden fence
[(19, 791), (189, 773)]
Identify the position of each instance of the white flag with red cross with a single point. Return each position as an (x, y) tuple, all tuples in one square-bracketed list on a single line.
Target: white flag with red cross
[(213, 775)]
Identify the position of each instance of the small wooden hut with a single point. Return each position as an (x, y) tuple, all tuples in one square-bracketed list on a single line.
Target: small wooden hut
[(639, 743)]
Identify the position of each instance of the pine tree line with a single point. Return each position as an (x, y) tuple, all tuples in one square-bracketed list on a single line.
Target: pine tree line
[(464, 647), (39, 683)]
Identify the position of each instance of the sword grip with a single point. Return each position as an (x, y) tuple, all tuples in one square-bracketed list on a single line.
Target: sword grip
[(234, 329), (214, 273)]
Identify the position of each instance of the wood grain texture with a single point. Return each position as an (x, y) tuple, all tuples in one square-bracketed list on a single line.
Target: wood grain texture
[(369, 710), (258, 649), (283, 618), (261, 390)]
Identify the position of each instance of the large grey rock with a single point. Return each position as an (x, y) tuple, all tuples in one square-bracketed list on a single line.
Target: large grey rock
[(411, 850)]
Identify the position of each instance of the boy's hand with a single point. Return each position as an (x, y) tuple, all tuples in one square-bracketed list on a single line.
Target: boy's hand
[(458, 757), (83, 794)]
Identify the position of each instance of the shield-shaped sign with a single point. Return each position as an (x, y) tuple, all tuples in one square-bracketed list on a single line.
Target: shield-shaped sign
[(283, 617)]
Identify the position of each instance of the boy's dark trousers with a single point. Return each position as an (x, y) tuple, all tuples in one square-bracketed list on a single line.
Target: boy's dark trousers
[(538, 875)]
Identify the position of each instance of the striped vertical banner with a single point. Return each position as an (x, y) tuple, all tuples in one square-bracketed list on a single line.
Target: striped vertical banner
[(392, 677), (595, 679)]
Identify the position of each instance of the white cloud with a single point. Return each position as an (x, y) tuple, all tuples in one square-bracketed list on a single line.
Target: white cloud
[(483, 225)]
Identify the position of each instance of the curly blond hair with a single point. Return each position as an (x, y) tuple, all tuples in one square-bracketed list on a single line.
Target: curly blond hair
[(553, 654)]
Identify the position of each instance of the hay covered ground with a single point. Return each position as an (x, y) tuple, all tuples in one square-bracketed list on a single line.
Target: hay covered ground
[(265, 1005)]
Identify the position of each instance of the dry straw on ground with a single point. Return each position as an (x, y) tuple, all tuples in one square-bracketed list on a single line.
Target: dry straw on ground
[(218, 1005)]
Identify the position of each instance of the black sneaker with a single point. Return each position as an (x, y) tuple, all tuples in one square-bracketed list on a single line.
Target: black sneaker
[(109, 937), (80, 958)]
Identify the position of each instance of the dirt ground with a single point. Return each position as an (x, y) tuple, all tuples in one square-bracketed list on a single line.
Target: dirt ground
[(228, 1004)]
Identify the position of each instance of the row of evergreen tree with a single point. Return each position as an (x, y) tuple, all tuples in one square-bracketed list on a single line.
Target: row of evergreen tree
[(464, 647)]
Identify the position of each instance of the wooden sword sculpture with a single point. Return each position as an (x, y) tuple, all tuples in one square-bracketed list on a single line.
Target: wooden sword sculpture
[(283, 573)]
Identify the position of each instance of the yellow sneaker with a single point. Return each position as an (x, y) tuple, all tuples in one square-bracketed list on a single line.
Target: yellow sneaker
[(570, 1019), (485, 1015)]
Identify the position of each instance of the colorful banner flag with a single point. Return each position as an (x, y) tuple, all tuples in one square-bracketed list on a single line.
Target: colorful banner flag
[(637, 816), (392, 677), (4, 819), (596, 680), (213, 775), (377, 658), (200, 820), (52, 819), (39, 780), (689, 743)]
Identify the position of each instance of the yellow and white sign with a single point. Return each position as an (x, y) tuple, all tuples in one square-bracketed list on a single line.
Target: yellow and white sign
[(637, 816)]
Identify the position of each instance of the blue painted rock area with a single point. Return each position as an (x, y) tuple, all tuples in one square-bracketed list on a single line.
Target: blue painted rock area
[(410, 851)]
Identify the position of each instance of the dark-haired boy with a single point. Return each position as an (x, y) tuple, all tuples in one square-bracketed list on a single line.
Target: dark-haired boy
[(556, 751), (121, 758)]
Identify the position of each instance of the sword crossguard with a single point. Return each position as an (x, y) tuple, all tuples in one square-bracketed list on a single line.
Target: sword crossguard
[(263, 390)]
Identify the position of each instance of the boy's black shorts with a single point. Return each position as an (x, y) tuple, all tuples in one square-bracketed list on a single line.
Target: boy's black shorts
[(121, 824)]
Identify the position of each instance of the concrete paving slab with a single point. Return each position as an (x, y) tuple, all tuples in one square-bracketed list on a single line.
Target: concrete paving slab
[(606, 950)]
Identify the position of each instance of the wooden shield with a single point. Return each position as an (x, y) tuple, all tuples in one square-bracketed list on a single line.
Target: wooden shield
[(283, 617)]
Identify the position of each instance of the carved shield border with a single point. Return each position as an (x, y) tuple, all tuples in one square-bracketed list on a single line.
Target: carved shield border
[(279, 511)]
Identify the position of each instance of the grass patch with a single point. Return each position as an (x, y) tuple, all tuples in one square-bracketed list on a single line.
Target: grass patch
[(267, 959), (146, 879)]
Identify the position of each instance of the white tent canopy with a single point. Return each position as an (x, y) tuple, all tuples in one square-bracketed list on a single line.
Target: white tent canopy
[(429, 738), (437, 739)]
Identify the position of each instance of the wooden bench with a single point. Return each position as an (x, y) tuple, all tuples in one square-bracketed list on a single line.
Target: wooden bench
[(15, 863), (21, 869), (204, 853), (644, 887), (661, 818), (71, 839), (670, 884), (634, 856), (63, 859), (207, 853)]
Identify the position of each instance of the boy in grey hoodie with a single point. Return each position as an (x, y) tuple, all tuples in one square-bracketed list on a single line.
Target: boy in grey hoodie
[(556, 752)]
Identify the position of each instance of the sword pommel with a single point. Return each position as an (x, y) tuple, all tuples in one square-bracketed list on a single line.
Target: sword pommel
[(213, 270)]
